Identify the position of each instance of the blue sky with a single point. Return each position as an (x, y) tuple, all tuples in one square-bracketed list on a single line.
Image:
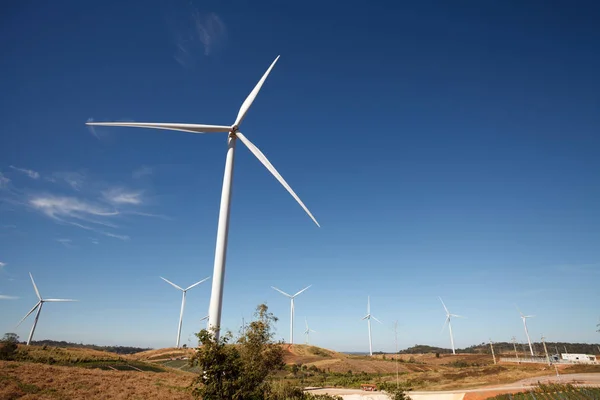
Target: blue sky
[(446, 150)]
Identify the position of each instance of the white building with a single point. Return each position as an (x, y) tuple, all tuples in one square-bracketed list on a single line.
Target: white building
[(578, 358)]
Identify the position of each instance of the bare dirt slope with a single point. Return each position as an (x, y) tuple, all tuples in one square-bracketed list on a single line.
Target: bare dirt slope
[(161, 354)]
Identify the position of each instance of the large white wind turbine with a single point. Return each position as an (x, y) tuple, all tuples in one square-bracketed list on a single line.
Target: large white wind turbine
[(308, 331), (182, 302), (368, 318), (524, 318), (291, 309), (38, 305), (216, 297), (448, 318)]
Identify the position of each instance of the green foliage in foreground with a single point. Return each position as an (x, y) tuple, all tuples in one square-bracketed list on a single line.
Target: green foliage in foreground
[(552, 391), (245, 371), (8, 346)]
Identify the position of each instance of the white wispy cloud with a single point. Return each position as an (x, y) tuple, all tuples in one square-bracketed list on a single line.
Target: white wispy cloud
[(73, 179), (2, 264), (65, 242), (4, 181), (122, 196), (97, 207), (99, 231), (201, 34), (141, 172), (29, 172), (74, 211), (5, 297), (60, 206)]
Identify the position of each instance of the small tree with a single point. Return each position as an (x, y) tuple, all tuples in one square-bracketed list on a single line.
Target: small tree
[(220, 368), (8, 346), (238, 372)]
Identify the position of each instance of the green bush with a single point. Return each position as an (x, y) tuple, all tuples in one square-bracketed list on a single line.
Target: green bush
[(8, 346)]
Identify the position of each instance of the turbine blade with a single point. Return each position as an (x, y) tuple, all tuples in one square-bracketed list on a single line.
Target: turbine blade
[(192, 128), (29, 313), (445, 323), (366, 316), (45, 300), (528, 316), (261, 157), (197, 283), (35, 287), (306, 321), (301, 291), (377, 320), (458, 316), (248, 102), (519, 310), (445, 308), (202, 319), (171, 283), (282, 292)]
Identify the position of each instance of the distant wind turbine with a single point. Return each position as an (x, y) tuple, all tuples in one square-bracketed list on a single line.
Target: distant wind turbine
[(182, 302), (368, 318), (524, 318), (291, 309), (38, 305), (448, 322), (216, 297), (308, 331)]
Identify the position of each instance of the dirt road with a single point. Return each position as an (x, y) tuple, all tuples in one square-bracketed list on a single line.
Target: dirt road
[(587, 379)]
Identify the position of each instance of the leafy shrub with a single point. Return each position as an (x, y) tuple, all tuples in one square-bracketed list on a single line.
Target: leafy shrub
[(8, 346)]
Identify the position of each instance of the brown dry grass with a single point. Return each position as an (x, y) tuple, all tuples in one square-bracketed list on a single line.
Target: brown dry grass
[(161, 354), (39, 381), (42, 381), (65, 355)]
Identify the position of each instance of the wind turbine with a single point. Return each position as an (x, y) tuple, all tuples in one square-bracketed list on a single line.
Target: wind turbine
[(368, 318), (38, 305), (216, 297), (182, 302), (448, 318), (308, 331), (524, 318), (291, 309)]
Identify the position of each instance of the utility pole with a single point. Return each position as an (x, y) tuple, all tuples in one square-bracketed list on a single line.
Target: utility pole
[(546, 350), (493, 354), (396, 340), (514, 340)]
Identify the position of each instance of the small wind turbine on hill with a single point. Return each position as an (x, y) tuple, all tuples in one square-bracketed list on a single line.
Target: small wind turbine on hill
[(291, 309), (182, 303), (38, 305), (447, 322), (308, 331), (524, 318), (368, 318), (233, 132)]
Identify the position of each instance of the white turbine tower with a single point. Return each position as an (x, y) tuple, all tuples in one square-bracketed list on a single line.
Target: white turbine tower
[(308, 331), (448, 318), (182, 303), (524, 318), (38, 305), (291, 309), (216, 297), (368, 318)]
